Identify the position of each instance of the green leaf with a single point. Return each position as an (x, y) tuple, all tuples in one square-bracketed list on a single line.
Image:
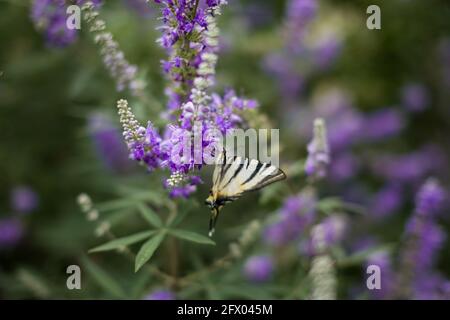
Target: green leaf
[(191, 236), (360, 257), (147, 250), (103, 279), (332, 204), (149, 215), (329, 205), (123, 242)]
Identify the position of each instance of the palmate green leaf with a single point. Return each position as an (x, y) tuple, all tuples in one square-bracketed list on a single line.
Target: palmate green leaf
[(149, 215), (123, 242), (147, 250), (107, 282), (191, 236)]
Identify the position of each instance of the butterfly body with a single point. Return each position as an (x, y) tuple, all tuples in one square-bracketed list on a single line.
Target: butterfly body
[(235, 176)]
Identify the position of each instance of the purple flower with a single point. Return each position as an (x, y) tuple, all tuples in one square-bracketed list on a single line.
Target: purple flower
[(424, 240), (415, 97), (297, 213), (282, 67), (387, 201), (344, 122), (144, 144), (318, 153), (328, 233), (299, 14), (383, 124), (326, 52), (429, 239), (24, 199), (334, 227), (96, 3), (197, 117), (362, 244), (182, 186), (410, 167), (11, 232), (430, 198), (50, 16), (161, 294), (181, 20), (431, 286), (344, 167), (227, 109), (108, 143), (278, 233), (258, 268), (383, 261)]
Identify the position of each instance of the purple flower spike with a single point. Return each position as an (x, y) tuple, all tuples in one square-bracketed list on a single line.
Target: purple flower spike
[(50, 17), (383, 124), (387, 201), (430, 198), (297, 213), (328, 233), (299, 14), (258, 268), (318, 152)]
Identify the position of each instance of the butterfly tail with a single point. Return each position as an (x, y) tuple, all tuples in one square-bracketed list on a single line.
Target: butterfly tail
[(213, 221)]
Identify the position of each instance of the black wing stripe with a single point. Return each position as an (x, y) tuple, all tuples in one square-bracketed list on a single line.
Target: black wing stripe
[(254, 173), (224, 200), (227, 168), (280, 175), (224, 163), (239, 169)]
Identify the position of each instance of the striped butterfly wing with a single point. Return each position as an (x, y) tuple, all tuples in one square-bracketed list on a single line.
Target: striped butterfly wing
[(234, 176)]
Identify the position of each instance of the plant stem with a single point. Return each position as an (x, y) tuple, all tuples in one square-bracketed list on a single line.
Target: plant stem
[(173, 251)]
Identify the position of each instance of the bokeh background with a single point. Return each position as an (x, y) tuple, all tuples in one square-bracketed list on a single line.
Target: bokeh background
[(383, 93)]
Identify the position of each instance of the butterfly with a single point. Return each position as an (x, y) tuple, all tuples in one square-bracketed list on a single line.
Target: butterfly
[(234, 177)]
